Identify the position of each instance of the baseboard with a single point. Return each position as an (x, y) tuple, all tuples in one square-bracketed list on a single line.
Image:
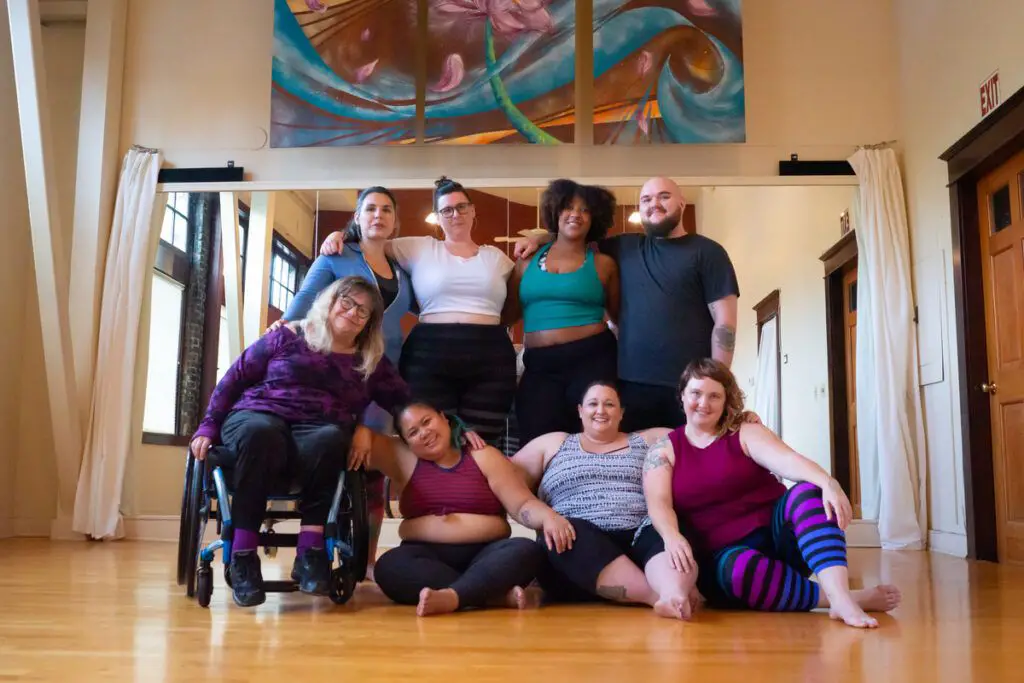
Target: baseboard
[(948, 543), (6, 528), (151, 528), (863, 533), (60, 530), (31, 527)]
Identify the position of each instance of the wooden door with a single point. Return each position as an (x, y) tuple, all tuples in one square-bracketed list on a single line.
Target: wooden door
[(850, 349), (1001, 226)]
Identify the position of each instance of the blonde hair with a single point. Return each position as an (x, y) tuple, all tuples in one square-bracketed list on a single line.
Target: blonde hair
[(708, 368), (369, 343)]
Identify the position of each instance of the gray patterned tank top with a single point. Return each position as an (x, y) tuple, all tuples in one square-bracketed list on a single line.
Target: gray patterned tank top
[(605, 489)]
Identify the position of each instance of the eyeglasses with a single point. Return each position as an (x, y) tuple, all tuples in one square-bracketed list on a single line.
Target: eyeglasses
[(348, 303), (449, 211)]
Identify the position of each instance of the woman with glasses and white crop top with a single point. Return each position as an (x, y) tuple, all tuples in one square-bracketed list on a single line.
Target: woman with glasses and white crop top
[(459, 357)]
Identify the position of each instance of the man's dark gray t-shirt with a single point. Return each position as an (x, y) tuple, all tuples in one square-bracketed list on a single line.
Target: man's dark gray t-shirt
[(666, 285)]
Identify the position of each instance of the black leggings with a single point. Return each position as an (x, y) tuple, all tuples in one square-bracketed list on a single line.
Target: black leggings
[(649, 405), (469, 370), (477, 572), (571, 576), (271, 453), (552, 385)]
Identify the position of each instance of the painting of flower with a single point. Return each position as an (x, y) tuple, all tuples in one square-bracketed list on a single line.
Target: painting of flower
[(668, 71), (344, 73), (500, 71)]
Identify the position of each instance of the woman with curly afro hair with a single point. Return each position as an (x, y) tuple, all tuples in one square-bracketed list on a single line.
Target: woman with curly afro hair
[(565, 293)]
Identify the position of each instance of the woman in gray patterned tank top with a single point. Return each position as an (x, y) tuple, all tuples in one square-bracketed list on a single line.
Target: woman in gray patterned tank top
[(595, 480)]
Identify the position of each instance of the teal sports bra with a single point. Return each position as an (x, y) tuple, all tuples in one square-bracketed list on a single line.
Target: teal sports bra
[(551, 301)]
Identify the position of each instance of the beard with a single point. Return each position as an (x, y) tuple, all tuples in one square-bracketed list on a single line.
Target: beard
[(663, 227)]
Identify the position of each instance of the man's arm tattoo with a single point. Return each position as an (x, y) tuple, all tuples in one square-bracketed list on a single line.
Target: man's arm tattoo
[(725, 337), (656, 455)]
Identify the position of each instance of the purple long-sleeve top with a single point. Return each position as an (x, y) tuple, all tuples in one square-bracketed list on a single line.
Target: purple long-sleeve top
[(280, 374)]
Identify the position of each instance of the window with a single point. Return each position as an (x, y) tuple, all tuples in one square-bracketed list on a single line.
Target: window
[(174, 230), (160, 414), (285, 266)]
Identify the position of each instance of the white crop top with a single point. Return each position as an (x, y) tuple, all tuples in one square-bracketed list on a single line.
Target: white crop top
[(445, 283)]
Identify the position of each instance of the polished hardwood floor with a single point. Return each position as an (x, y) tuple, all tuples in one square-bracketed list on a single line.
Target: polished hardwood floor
[(112, 612)]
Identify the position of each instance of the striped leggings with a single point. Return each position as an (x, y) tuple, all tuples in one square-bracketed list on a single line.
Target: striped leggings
[(768, 569), (468, 370)]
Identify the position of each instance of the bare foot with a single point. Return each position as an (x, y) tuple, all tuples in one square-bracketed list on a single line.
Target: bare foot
[(674, 607), (369, 574), (433, 601), (522, 598), (883, 598)]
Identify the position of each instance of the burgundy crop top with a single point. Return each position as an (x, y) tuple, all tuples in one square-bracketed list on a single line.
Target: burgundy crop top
[(434, 490)]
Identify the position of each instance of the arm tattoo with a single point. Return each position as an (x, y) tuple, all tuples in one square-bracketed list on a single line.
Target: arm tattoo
[(655, 456), (617, 593), (725, 337), (524, 517)]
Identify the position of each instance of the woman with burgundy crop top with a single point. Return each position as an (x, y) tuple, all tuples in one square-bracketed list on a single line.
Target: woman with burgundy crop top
[(456, 551), (716, 479)]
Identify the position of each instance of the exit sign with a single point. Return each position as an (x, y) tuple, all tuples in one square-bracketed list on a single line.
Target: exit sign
[(989, 94)]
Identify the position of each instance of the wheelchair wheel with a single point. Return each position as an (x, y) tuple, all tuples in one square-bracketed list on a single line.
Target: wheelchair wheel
[(204, 584), (185, 523), (354, 527), (343, 584), (198, 510)]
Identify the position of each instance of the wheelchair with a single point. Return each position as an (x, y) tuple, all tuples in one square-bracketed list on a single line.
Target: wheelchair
[(206, 496)]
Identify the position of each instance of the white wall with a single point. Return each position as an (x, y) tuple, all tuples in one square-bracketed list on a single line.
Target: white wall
[(775, 236), (34, 478), (946, 49), (15, 270), (815, 86)]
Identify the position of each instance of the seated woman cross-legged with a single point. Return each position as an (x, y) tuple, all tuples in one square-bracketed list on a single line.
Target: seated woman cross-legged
[(286, 409), (595, 480), (755, 542), (456, 551)]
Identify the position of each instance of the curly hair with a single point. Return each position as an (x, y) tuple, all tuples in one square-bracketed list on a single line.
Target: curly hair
[(708, 368), (369, 343), (558, 197)]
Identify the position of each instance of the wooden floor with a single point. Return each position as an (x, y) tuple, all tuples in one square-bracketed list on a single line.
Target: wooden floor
[(112, 612)]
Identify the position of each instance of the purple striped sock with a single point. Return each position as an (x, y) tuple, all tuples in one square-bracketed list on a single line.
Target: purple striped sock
[(245, 541), (309, 540)]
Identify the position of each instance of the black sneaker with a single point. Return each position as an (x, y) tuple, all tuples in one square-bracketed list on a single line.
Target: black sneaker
[(247, 580), (312, 571)]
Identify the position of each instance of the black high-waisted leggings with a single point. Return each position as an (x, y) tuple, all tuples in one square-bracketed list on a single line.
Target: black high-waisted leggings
[(469, 370)]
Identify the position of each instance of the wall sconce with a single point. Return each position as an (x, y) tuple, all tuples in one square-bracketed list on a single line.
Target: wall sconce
[(634, 218), (431, 218)]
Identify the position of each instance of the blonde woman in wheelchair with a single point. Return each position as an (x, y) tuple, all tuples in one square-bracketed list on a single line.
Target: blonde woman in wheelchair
[(287, 409)]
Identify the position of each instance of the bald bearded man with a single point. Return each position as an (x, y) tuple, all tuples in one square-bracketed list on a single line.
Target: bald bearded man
[(678, 303)]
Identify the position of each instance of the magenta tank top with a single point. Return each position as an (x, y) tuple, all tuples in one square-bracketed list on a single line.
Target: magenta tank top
[(433, 490), (720, 494)]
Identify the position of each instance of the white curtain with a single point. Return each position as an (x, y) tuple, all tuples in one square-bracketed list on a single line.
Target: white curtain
[(108, 435), (766, 382), (890, 425)]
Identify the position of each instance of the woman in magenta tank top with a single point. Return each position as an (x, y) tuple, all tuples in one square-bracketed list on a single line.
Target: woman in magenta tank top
[(755, 542), (456, 551)]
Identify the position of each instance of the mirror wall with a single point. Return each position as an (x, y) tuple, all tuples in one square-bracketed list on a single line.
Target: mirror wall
[(774, 235)]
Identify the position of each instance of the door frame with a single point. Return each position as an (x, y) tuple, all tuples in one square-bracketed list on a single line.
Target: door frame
[(835, 261), (984, 148)]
